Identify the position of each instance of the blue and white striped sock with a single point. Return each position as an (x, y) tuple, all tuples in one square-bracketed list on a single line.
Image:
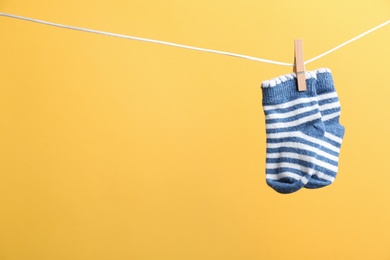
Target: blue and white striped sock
[(327, 161), (294, 132)]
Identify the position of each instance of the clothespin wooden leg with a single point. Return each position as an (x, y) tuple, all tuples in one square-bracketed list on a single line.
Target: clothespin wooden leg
[(299, 66)]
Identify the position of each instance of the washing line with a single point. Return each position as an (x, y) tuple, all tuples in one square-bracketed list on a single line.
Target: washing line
[(191, 47)]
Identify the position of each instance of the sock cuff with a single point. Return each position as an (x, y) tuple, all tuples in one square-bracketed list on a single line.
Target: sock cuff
[(325, 82), (284, 88)]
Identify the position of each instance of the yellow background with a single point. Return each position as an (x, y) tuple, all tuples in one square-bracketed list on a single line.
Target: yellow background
[(116, 149)]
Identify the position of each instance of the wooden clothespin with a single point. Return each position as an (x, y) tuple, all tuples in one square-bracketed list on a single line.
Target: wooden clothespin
[(299, 65)]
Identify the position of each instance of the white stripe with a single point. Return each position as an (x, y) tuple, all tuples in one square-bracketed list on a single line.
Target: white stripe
[(292, 113), (302, 157), (289, 165), (303, 136), (329, 106), (305, 180), (303, 147), (293, 123), (331, 116), (327, 96), (323, 70), (290, 103), (282, 175), (326, 166), (292, 175), (333, 137)]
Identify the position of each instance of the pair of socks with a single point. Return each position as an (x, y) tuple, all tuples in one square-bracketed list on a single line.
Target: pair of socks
[(304, 134)]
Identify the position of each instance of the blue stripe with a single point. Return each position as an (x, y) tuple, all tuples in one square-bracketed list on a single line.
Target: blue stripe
[(326, 150), (327, 101), (290, 160), (325, 170), (317, 183), (315, 177), (284, 180), (333, 143), (306, 125), (291, 150), (330, 111), (327, 160)]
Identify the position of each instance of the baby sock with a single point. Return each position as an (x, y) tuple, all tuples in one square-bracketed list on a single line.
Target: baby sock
[(327, 161), (294, 132)]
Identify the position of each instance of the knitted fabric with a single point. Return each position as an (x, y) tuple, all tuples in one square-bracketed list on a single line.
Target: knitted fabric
[(294, 132), (329, 105)]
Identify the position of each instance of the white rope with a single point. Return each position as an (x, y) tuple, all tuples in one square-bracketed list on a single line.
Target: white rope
[(144, 39), (347, 42), (190, 47)]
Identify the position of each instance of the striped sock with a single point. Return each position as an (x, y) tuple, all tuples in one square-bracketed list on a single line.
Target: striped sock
[(294, 132), (327, 161)]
